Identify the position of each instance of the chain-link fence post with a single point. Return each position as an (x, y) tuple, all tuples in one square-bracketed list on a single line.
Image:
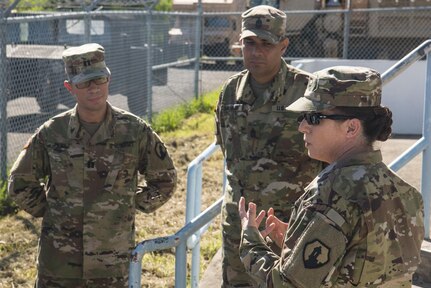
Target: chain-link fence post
[(87, 27), (149, 63), (347, 17), (3, 96), (198, 38), (87, 19), (4, 13)]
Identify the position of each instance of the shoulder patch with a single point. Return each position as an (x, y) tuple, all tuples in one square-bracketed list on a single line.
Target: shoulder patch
[(315, 254)]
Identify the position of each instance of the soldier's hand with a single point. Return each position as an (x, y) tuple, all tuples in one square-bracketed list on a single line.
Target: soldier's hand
[(249, 219), (277, 227)]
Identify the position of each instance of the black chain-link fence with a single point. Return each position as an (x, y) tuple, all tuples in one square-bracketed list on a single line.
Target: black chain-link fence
[(34, 42)]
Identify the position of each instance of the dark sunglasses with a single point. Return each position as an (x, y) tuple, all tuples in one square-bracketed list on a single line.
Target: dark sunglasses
[(97, 81), (313, 118)]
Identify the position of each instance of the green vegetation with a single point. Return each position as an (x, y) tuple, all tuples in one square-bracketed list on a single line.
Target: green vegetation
[(6, 205), (173, 119), (47, 5), (33, 5), (164, 5)]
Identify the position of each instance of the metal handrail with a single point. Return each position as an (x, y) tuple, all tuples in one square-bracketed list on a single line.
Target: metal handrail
[(187, 237), (195, 227), (423, 144), (177, 240)]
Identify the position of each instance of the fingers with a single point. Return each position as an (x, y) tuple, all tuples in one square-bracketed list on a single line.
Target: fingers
[(241, 208), (269, 220), (268, 229), (260, 217), (251, 214), (270, 211), (248, 218), (242, 213)]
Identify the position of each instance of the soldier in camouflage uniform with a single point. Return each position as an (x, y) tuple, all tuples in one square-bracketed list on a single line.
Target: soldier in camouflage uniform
[(86, 171), (265, 154), (358, 224)]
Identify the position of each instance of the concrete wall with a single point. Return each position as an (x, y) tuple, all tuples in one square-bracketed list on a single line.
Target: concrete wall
[(404, 95)]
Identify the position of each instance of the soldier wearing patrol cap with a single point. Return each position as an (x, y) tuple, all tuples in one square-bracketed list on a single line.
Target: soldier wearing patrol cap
[(358, 223), (86, 171), (265, 156)]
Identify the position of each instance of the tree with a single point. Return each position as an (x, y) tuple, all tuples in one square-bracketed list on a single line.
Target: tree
[(34, 5), (164, 5), (48, 5)]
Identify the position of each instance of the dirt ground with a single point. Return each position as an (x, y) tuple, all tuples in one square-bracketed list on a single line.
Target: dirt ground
[(19, 233)]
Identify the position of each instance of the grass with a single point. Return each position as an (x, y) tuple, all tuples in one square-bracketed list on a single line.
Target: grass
[(196, 117), (186, 116), (6, 205)]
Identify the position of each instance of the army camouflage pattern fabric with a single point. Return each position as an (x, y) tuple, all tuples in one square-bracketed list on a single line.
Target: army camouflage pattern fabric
[(87, 189), (265, 22), (85, 62), (110, 282), (357, 225), (345, 86), (266, 160)]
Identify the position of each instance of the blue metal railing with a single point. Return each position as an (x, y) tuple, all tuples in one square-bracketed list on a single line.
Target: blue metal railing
[(197, 223)]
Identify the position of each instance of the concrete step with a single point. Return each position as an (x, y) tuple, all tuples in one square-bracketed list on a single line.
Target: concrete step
[(423, 274), (212, 277), (421, 279)]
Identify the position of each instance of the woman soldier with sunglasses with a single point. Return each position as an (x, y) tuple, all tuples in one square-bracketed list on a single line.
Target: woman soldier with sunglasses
[(358, 223)]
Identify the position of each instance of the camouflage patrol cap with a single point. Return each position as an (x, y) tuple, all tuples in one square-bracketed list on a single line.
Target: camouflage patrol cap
[(340, 86), (265, 22), (85, 62)]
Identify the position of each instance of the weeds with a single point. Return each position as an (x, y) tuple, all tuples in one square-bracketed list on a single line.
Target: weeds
[(7, 206), (173, 118)]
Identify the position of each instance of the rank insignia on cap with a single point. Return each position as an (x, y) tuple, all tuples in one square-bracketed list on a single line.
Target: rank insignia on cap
[(315, 254)]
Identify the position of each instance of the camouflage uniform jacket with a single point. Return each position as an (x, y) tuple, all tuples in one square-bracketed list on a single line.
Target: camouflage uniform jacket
[(357, 225), (265, 154), (85, 188)]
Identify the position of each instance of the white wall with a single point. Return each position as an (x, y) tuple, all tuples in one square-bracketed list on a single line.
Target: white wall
[(404, 95)]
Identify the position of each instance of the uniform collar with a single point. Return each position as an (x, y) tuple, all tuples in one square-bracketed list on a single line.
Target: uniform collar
[(359, 159), (275, 90), (105, 131), (363, 158)]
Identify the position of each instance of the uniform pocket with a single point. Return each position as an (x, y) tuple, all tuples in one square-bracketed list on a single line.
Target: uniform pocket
[(61, 169), (123, 169), (233, 126)]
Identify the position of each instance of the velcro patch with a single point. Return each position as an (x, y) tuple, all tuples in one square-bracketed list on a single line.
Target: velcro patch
[(316, 254)]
